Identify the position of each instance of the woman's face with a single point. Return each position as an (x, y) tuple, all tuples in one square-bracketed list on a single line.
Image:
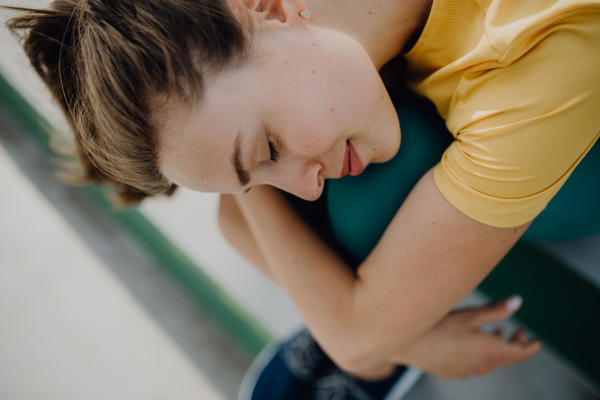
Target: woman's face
[(309, 106)]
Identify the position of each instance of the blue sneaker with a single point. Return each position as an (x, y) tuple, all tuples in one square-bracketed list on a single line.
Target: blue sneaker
[(285, 371), (338, 385), (299, 370)]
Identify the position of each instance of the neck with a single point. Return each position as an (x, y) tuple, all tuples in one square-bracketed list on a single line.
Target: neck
[(383, 27)]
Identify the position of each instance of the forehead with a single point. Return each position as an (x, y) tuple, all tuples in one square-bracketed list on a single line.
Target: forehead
[(197, 140)]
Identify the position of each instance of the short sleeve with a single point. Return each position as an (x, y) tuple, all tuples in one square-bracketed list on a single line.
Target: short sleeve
[(521, 126)]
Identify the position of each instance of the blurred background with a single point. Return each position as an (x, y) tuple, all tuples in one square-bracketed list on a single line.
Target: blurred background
[(152, 303)]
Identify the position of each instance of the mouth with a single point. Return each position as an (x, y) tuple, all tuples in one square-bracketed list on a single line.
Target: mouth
[(356, 166), (352, 164)]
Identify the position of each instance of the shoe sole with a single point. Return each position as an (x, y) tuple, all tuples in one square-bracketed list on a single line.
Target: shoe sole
[(257, 366), (406, 382), (408, 379)]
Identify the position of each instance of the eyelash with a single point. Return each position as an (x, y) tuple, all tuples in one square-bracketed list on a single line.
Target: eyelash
[(274, 151)]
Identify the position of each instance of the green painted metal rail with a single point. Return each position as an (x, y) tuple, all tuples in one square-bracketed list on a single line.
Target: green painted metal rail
[(230, 316), (562, 308)]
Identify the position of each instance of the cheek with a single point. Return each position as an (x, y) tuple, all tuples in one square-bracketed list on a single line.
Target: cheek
[(309, 139), (315, 115), (308, 118), (320, 97)]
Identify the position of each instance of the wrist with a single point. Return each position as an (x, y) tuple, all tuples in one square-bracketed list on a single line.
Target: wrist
[(417, 352)]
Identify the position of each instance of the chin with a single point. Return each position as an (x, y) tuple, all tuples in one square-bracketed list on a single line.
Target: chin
[(388, 151), (390, 139)]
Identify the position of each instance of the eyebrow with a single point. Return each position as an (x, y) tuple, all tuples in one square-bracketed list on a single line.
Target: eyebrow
[(236, 161)]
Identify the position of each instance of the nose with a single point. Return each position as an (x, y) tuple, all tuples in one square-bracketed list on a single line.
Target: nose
[(308, 184)]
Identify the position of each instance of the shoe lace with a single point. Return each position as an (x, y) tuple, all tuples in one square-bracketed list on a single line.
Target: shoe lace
[(337, 385), (302, 355)]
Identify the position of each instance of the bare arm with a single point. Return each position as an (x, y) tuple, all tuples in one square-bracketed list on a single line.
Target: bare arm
[(429, 248), (236, 231)]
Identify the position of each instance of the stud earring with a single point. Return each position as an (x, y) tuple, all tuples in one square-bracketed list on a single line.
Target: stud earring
[(305, 14)]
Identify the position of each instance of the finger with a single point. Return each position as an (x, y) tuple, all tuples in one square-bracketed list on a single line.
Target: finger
[(529, 350), (533, 347), (499, 332), (496, 311), (519, 336), (520, 353)]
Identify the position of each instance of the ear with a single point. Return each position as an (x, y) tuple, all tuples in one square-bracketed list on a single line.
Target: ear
[(284, 11)]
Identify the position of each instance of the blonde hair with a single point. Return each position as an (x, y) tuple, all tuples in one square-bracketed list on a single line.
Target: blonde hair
[(107, 61)]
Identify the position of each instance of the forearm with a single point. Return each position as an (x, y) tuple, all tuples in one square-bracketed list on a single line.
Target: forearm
[(236, 231), (313, 275)]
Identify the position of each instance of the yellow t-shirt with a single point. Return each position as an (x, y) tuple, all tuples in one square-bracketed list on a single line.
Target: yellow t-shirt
[(518, 83)]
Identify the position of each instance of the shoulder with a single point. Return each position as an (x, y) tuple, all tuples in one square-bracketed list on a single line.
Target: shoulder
[(513, 30), (524, 122)]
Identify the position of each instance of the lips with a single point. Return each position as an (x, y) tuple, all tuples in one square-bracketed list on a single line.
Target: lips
[(352, 164), (356, 166), (346, 163)]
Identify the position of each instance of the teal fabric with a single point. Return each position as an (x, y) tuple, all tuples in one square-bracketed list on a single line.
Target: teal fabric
[(360, 208)]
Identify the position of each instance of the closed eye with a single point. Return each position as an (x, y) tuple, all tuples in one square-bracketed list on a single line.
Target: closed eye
[(274, 151)]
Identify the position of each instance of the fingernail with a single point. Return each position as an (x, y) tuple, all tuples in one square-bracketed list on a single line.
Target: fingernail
[(513, 303)]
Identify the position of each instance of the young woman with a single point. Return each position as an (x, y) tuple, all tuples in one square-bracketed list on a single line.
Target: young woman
[(232, 95)]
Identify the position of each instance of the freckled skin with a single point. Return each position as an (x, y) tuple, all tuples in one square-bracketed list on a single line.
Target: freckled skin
[(199, 140), (314, 143)]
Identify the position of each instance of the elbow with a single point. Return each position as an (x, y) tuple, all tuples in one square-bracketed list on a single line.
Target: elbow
[(365, 345), (360, 354), (357, 364)]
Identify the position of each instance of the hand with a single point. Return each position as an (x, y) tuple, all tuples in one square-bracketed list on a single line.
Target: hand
[(455, 348)]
